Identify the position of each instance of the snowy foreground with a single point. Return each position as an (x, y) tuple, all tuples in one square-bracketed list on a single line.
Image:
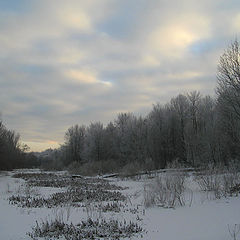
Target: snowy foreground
[(201, 217)]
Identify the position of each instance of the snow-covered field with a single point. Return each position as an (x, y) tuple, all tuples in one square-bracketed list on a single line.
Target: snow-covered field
[(202, 216)]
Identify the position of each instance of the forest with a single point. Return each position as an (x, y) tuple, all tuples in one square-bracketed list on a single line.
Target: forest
[(191, 130), (13, 153)]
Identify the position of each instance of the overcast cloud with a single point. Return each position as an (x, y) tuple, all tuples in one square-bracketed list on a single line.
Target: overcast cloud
[(69, 62)]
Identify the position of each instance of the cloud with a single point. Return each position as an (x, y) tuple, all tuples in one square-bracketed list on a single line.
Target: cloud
[(84, 77), (67, 62), (74, 19), (236, 23), (173, 38), (184, 75)]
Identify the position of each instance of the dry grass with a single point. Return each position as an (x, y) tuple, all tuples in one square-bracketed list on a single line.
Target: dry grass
[(165, 191)]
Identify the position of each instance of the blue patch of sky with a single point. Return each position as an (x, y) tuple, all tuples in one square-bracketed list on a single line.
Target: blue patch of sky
[(131, 72), (203, 46), (40, 110), (43, 46), (117, 74), (16, 5), (124, 20), (81, 38), (22, 99), (83, 113), (35, 69), (228, 5)]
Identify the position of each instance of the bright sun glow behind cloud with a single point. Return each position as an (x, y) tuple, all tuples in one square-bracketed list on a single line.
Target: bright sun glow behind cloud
[(80, 76), (85, 77), (74, 18), (174, 38)]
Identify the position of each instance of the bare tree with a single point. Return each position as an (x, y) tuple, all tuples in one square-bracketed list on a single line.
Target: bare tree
[(228, 101), (194, 101), (228, 77), (11, 151), (94, 148), (180, 105), (75, 140)]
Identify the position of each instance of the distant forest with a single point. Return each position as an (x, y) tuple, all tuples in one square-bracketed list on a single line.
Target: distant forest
[(13, 154), (190, 130)]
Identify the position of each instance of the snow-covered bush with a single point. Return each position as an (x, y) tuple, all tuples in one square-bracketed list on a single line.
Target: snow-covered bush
[(131, 169), (234, 231), (209, 182), (148, 196), (94, 168), (175, 164), (165, 191), (219, 180)]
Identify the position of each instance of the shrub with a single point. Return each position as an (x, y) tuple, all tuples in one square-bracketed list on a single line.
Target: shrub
[(130, 169), (219, 180), (165, 191), (86, 169), (175, 164), (234, 231), (93, 168)]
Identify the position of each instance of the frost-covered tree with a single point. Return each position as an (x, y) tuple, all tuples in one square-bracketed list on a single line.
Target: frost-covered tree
[(123, 136), (94, 147), (157, 136), (228, 91), (12, 153), (180, 106), (74, 142), (228, 76)]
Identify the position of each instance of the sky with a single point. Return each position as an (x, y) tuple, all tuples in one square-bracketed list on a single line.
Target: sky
[(76, 62)]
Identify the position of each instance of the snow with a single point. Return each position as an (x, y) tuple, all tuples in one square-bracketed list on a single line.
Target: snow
[(201, 218), (206, 221)]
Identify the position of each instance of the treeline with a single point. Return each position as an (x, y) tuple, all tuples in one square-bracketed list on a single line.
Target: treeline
[(191, 129), (12, 153)]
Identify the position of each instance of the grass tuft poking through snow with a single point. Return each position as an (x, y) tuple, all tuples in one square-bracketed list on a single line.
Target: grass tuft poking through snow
[(90, 229)]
